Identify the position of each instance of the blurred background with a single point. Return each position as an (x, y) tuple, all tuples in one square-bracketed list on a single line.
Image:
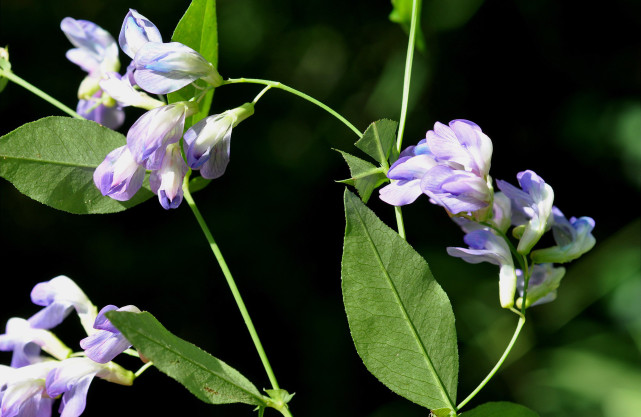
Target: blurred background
[(556, 85)]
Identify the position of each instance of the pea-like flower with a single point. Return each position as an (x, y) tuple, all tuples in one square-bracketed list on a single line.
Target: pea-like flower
[(451, 166), (162, 68), (148, 138), (207, 143), (60, 296), (542, 285), (136, 31), (100, 111), (26, 343), (167, 181), (96, 51), (104, 345), (485, 246), (573, 238), (531, 208), (71, 379), (22, 390), (119, 176)]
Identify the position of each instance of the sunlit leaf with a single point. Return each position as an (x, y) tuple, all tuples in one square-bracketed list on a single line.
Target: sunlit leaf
[(198, 29), (208, 378), (365, 177), (378, 140), (500, 409), (400, 318), (52, 160)]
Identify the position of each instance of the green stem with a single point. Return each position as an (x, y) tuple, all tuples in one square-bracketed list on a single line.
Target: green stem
[(399, 222), (408, 72), (230, 281), (143, 369), (519, 326), (275, 84), (35, 90)]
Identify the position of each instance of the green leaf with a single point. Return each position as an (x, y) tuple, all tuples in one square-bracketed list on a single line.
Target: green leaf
[(378, 140), (198, 29), (52, 160), (366, 177), (208, 378), (500, 409), (400, 318), (402, 14)]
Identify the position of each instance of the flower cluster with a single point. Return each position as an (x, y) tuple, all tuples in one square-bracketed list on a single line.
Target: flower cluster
[(153, 141), (31, 384), (451, 166)]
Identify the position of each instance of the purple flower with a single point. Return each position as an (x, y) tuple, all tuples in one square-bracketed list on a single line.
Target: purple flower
[(573, 238), (167, 181), (542, 285), (450, 165), (531, 208), (165, 67), (136, 31), (26, 342), (154, 130), (108, 342), (485, 246), (22, 391), (111, 116), (96, 50), (60, 296), (71, 379), (119, 176), (207, 143)]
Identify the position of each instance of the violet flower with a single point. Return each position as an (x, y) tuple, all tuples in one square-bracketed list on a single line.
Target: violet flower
[(96, 50), (60, 296), (573, 238), (22, 390), (71, 379), (162, 68), (136, 31), (96, 53), (485, 246), (154, 130), (542, 285), (167, 181), (104, 345), (207, 143), (451, 166), (26, 342), (119, 176), (111, 116), (531, 208)]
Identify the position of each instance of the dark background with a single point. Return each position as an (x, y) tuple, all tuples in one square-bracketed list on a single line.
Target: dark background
[(554, 84)]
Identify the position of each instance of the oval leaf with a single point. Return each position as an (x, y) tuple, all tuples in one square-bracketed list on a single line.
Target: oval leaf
[(378, 140), (400, 318), (198, 29), (52, 160), (208, 378), (500, 409)]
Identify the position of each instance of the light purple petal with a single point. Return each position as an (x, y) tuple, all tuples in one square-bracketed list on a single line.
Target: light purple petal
[(112, 117), (411, 168), (400, 193), (104, 346), (135, 32), (165, 67), (51, 316), (119, 176)]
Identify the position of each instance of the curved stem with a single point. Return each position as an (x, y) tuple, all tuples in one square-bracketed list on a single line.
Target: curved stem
[(519, 326), (408, 72), (275, 84), (35, 90), (143, 369), (232, 284)]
